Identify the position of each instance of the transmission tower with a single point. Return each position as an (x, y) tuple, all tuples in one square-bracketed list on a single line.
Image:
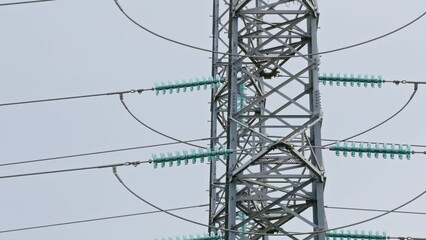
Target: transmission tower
[(268, 115)]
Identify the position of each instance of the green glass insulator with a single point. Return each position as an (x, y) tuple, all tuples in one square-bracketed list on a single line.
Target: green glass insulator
[(185, 157), (178, 158), (164, 88), (342, 235), (324, 78), (338, 79), (361, 149), (170, 87), (345, 79), (380, 81), (408, 152), (162, 160), (191, 85), (178, 86), (220, 235), (331, 79), (209, 155), (373, 80), (358, 80), (353, 149), (198, 83), (376, 150), (369, 150), (201, 155), (337, 148), (154, 160), (184, 85), (392, 151), (401, 152), (226, 153), (212, 82), (377, 235), (366, 80), (193, 156), (385, 150), (157, 89), (218, 81), (217, 153), (170, 159), (363, 235), (206, 83), (352, 80), (345, 149)]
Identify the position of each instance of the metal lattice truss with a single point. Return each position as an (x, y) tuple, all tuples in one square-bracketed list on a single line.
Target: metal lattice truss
[(268, 114)]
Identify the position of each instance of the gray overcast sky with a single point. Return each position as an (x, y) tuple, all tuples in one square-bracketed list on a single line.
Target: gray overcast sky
[(77, 47)]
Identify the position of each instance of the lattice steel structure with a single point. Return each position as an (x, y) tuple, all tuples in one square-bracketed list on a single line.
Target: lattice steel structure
[(268, 114)]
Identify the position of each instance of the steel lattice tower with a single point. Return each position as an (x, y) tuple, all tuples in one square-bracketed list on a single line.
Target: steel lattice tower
[(268, 114)]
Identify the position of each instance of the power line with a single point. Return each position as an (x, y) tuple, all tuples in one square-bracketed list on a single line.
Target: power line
[(163, 134), (383, 122), (397, 82), (76, 97), (263, 234), (407, 238), (98, 219), (154, 130), (101, 152), (375, 217), (75, 169), (149, 146), (168, 210), (26, 2), (373, 210), (280, 56)]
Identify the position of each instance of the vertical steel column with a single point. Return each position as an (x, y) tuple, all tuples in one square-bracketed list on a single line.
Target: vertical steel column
[(318, 187), (213, 107), (234, 67), (268, 114)]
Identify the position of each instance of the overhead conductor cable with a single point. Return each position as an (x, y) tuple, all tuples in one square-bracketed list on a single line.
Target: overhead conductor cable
[(381, 123), (264, 234), (280, 56)]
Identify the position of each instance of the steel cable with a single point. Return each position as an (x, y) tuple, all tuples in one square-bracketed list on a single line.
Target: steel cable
[(98, 219), (75, 97), (381, 123), (154, 130), (101, 152), (264, 234), (281, 56), (25, 2), (76, 169)]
